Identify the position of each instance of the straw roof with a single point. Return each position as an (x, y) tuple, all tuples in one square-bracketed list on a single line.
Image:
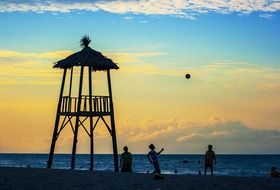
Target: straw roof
[(87, 57)]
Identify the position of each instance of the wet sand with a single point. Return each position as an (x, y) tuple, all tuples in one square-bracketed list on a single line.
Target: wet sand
[(33, 178)]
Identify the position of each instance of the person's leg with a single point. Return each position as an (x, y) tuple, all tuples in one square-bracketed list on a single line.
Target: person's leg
[(130, 169), (205, 169), (211, 168), (125, 168), (156, 166)]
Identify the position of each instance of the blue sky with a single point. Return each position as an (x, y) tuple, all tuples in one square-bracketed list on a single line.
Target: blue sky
[(231, 49), (217, 36)]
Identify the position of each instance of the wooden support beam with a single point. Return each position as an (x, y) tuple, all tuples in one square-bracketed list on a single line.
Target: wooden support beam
[(77, 120), (114, 138), (71, 124), (107, 126), (63, 124), (90, 119), (56, 120), (84, 128), (70, 90), (95, 124)]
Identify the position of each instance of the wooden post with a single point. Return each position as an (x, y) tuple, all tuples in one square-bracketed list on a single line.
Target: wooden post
[(91, 119), (114, 138), (77, 120), (54, 137), (70, 90)]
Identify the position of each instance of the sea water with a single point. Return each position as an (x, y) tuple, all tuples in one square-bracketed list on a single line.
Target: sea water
[(231, 165)]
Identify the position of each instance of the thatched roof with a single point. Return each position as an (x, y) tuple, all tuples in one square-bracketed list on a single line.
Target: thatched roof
[(87, 57)]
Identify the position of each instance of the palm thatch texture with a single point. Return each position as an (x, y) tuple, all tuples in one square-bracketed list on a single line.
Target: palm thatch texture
[(87, 57), (85, 41)]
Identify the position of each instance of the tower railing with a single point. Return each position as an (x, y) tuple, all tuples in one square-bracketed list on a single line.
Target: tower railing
[(100, 105)]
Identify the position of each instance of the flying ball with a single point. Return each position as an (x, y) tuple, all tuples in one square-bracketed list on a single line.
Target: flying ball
[(188, 76)]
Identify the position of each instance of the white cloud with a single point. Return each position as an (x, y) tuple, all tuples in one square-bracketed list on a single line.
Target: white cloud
[(179, 8), (226, 135), (189, 137), (267, 16), (47, 6), (128, 18)]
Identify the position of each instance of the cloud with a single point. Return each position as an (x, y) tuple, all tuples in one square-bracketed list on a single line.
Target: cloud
[(269, 86), (230, 74), (179, 8), (266, 16), (228, 131), (27, 55), (228, 63), (189, 137), (8, 56), (47, 6), (128, 57), (130, 18), (16, 67), (28, 67), (228, 136)]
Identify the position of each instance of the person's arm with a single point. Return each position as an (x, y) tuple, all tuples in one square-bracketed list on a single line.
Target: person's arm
[(160, 151), (148, 155)]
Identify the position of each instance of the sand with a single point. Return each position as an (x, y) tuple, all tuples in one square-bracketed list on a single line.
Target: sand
[(33, 179)]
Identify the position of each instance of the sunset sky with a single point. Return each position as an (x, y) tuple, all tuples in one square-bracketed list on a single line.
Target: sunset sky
[(231, 48)]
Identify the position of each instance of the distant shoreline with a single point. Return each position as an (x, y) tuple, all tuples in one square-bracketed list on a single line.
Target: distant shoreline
[(227, 165), (57, 179), (202, 154)]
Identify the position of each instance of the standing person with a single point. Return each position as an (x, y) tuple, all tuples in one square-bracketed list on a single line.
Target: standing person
[(152, 156), (209, 159), (126, 160)]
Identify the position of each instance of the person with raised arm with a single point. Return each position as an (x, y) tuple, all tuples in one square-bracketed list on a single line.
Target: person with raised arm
[(152, 156)]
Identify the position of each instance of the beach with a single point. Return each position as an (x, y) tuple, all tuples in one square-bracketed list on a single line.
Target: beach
[(35, 178)]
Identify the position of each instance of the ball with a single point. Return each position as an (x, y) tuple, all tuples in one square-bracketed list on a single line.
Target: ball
[(188, 76)]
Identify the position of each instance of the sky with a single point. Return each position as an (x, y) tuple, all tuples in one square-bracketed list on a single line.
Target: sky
[(230, 48)]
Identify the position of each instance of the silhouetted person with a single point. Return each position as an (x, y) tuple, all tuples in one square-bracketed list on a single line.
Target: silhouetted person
[(126, 160), (274, 172), (209, 159), (152, 156)]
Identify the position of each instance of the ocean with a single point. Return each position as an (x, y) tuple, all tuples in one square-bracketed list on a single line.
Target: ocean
[(230, 165)]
